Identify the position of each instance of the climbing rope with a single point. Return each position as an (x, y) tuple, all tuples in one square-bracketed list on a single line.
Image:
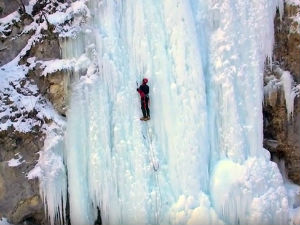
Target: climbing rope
[(158, 200)]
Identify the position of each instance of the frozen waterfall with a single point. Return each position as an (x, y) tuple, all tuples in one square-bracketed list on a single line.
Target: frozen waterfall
[(200, 159)]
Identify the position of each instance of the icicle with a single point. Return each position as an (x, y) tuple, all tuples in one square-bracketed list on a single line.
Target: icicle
[(50, 170), (287, 83), (280, 5)]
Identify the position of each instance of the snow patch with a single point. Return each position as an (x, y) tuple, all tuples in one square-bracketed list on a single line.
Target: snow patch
[(21, 96), (77, 11), (3, 221), (7, 21), (293, 2), (55, 65), (29, 7), (16, 162), (11, 18), (58, 18)]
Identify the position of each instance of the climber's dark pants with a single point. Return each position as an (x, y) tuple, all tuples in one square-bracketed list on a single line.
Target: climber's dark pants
[(144, 106)]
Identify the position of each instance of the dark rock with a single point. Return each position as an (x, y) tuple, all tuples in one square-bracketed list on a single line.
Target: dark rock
[(8, 6), (19, 197), (277, 127), (54, 87), (12, 45), (47, 49), (287, 41)]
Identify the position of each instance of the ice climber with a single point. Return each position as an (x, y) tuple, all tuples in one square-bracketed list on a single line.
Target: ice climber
[(144, 93)]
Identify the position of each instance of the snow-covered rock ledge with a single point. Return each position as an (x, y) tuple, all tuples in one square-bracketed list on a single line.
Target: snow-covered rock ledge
[(33, 90)]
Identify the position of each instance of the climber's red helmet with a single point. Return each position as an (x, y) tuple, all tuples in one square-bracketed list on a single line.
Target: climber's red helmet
[(145, 81)]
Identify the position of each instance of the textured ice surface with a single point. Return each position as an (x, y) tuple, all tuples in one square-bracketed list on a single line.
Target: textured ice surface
[(200, 159)]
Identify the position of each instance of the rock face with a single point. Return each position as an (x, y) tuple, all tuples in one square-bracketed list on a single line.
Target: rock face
[(287, 41), (7, 7), (12, 37), (13, 40), (20, 200), (53, 86), (281, 131), (19, 197), (7, 52)]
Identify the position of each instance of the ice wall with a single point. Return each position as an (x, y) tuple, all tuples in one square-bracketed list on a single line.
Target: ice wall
[(200, 159)]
